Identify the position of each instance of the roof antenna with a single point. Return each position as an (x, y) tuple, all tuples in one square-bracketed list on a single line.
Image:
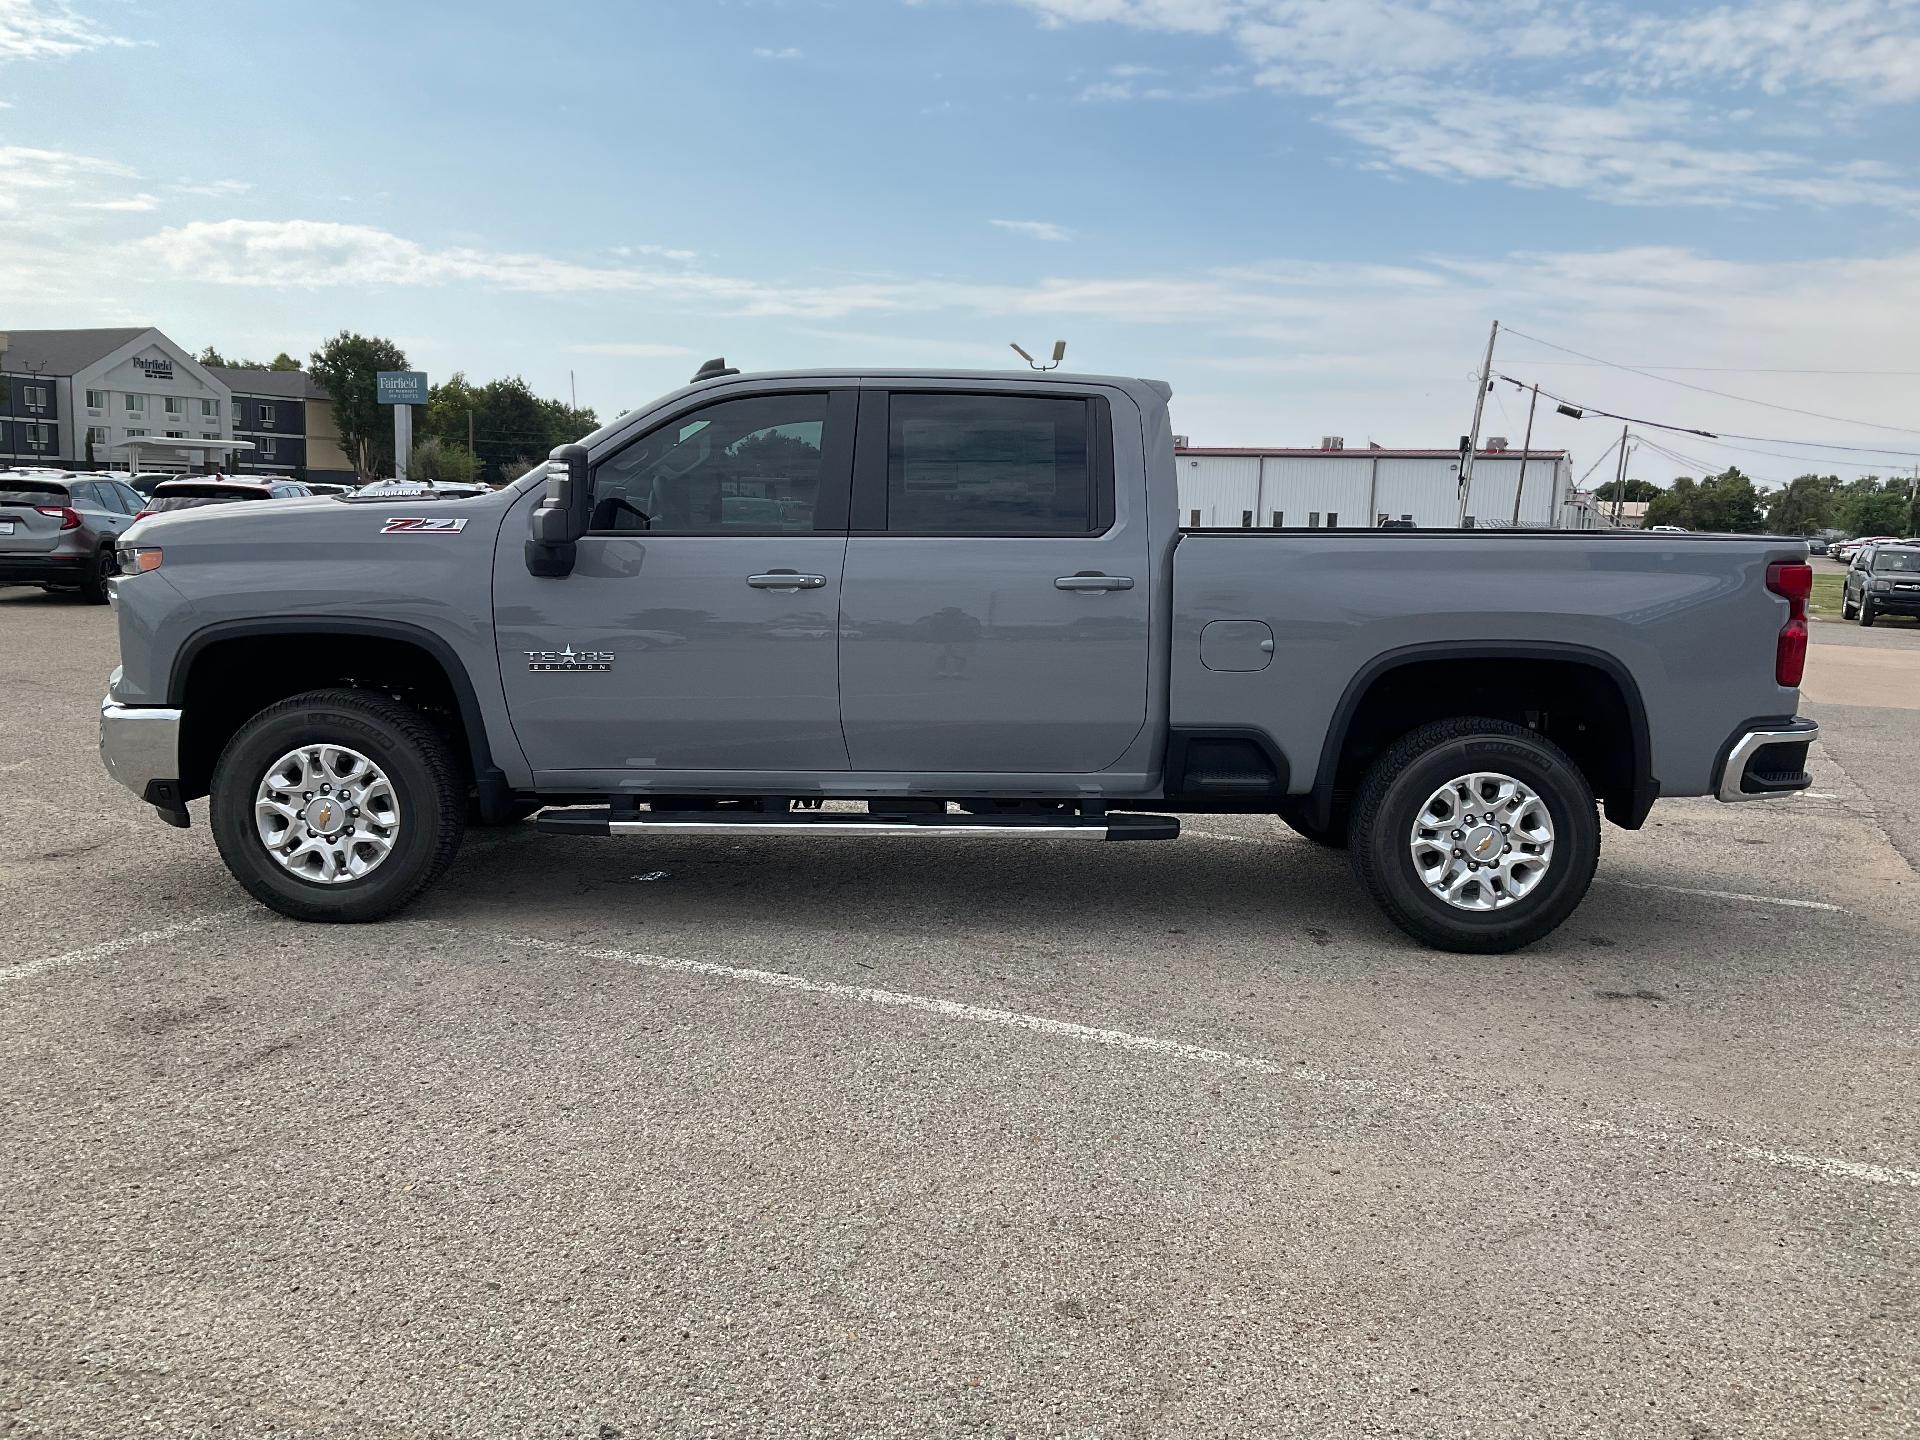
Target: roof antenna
[(713, 370), (1059, 354)]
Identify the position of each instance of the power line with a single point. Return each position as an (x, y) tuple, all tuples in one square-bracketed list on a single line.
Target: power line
[(1709, 434), (1707, 369), (1722, 394)]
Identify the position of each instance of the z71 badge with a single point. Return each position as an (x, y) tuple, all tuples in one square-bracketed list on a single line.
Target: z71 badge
[(569, 659), (420, 525)]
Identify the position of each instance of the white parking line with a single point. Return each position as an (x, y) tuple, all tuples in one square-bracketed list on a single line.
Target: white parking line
[(27, 969), (1832, 1167), (1728, 895)]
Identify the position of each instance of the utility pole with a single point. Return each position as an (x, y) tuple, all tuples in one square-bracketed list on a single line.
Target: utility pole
[(1525, 446), (1620, 479), (469, 430), (1473, 439)]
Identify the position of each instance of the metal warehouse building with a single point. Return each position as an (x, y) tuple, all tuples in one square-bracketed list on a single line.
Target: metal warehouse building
[(1333, 486)]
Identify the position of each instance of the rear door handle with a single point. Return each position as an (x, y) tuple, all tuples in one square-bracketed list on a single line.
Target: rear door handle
[(1089, 580), (786, 580)]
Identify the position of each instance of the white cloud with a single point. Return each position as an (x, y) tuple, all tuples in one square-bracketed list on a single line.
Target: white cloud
[(627, 252), (1388, 71), (1868, 49), (216, 189), (1623, 153), (26, 172), (1035, 229), (790, 52), (128, 203), (48, 30)]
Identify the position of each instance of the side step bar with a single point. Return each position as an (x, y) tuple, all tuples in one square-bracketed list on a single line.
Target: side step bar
[(805, 824)]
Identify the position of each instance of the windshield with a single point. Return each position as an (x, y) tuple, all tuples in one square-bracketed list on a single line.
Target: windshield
[(1905, 562)]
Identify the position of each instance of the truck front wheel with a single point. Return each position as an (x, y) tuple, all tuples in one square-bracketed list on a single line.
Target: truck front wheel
[(1475, 835), (337, 805)]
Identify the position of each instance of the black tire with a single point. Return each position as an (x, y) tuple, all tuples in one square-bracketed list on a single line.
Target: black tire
[(1848, 610), (427, 784), (1333, 837), (1407, 775), (1867, 617), (93, 587)]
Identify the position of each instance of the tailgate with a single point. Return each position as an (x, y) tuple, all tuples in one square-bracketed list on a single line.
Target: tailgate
[(23, 529)]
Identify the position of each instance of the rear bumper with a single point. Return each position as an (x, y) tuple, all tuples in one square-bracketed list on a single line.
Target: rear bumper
[(43, 569), (1766, 761), (140, 746)]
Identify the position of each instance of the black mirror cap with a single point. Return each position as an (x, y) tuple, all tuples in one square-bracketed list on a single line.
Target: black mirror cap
[(549, 561)]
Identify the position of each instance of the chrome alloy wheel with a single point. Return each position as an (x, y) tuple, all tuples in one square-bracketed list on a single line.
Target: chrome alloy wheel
[(1482, 842), (326, 814)]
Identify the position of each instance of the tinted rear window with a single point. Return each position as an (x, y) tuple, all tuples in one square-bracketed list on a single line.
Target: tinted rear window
[(193, 500), (30, 492)]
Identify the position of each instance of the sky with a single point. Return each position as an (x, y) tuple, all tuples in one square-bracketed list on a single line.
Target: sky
[(1303, 214)]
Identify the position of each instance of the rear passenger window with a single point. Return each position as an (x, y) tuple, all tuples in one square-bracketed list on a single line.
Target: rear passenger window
[(990, 465)]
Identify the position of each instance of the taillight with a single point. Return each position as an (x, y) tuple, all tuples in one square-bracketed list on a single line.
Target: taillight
[(1792, 580), (69, 519)]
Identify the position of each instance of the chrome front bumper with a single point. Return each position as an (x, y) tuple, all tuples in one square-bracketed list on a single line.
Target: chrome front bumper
[(140, 744), (1741, 779)]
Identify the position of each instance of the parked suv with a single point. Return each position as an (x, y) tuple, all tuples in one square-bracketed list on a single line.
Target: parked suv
[(173, 495), (58, 530), (1884, 579)]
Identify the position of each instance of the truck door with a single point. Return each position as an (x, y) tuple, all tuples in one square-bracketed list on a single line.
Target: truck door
[(697, 630), (994, 615)]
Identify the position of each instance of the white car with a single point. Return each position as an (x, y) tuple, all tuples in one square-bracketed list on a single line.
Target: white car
[(1669, 530)]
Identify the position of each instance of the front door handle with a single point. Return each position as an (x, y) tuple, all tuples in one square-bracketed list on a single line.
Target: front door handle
[(786, 580), (1091, 580)]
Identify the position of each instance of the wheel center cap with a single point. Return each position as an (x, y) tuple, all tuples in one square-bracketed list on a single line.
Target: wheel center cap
[(325, 815), (1483, 843)]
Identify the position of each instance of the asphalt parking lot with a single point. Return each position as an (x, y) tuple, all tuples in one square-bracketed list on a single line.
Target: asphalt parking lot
[(742, 1139)]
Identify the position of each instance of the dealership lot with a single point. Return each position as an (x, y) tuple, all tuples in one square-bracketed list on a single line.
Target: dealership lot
[(746, 1138)]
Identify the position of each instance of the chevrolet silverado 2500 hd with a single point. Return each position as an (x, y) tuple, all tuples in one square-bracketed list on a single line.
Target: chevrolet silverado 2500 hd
[(962, 601)]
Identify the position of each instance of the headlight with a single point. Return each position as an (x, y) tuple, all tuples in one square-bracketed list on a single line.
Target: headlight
[(1879, 584), (136, 559)]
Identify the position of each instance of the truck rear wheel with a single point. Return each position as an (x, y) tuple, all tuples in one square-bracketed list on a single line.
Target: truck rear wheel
[(1475, 835), (337, 805)]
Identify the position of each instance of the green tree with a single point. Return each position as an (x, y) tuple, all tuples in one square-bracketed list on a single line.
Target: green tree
[(1723, 502), (1872, 506), (1635, 490), (434, 459), (346, 366), (284, 361), (1803, 506), (510, 424)]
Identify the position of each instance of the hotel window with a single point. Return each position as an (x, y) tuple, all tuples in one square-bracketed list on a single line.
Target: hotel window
[(269, 448), (96, 401), (175, 405), (134, 434), (266, 417), (136, 404), (208, 435), (176, 434), (39, 436), (36, 396), (97, 434), (209, 409)]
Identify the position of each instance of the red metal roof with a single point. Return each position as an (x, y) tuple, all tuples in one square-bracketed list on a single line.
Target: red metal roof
[(1366, 454)]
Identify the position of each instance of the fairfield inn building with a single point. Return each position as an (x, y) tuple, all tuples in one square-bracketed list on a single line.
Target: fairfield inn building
[(115, 399)]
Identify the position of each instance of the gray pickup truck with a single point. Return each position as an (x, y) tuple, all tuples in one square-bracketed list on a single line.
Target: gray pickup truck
[(962, 602)]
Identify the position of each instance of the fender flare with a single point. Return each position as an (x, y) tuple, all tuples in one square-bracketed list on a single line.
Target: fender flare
[(489, 780), (1629, 812)]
